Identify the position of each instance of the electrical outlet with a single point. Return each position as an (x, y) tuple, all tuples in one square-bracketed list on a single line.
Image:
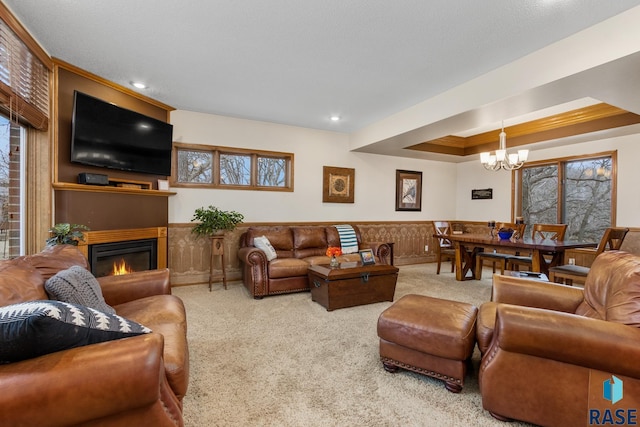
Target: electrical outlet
[(426, 248)]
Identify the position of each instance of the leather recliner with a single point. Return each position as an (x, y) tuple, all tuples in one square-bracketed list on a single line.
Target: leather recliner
[(135, 381), (549, 349)]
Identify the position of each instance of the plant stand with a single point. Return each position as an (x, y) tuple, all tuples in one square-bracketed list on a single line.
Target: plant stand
[(217, 250)]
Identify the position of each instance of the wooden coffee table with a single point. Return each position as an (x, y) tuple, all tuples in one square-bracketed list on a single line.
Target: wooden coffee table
[(352, 284)]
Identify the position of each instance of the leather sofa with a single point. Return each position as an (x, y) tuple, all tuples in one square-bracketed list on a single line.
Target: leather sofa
[(549, 350), (135, 381), (297, 247)]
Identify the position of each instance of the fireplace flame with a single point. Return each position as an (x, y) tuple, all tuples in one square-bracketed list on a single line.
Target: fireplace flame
[(120, 268)]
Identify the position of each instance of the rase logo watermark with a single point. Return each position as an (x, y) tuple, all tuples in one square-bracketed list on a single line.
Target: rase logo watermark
[(613, 392)]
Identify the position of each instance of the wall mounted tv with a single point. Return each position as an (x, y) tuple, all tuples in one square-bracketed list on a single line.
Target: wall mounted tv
[(105, 135)]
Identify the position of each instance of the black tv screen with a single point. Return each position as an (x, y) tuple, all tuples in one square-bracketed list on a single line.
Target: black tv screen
[(109, 136)]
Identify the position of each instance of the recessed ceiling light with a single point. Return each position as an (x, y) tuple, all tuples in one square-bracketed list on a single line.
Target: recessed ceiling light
[(139, 85), (335, 118)]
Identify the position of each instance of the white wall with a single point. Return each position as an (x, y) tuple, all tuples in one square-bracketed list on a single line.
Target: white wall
[(313, 149), (446, 190), (472, 175)]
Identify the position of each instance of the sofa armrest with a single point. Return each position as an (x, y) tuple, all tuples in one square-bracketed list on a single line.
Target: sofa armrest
[(86, 383), (252, 256), (256, 273), (567, 338), (534, 293), (140, 284)]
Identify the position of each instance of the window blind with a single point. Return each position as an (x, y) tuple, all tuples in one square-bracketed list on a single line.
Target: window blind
[(24, 81)]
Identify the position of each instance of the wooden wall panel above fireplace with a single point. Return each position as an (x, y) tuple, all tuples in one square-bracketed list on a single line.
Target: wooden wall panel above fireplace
[(111, 211)]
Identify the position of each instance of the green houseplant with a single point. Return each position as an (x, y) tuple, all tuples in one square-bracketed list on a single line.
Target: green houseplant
[(66, 234), (213, 221)]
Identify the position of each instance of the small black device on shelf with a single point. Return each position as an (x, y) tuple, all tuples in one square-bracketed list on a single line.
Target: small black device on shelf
[(93, 179)]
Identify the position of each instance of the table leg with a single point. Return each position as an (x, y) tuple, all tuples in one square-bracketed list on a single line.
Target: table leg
[(539, 263), (465, 261), (459, 249)]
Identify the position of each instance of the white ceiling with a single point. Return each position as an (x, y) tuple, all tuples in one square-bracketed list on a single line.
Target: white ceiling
[(298, 62)]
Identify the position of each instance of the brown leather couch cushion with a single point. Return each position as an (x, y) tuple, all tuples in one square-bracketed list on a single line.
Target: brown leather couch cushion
[(333, 238), (20, 282), (57, 258), (287, 267), (280, 238), (309, 241), (612, 289)]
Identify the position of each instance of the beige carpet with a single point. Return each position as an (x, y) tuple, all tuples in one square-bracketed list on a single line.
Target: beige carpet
[(286, 361)]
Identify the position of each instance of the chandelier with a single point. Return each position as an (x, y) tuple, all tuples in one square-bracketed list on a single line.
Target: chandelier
[(501, 159)]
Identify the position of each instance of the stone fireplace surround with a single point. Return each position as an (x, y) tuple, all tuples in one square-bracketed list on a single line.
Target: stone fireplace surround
[(112, 236)]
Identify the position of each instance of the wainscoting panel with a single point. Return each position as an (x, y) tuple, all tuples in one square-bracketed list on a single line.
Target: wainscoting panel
[(189, 257)]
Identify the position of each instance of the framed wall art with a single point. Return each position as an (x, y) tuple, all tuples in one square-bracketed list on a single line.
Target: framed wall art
[(338, 184), (408, 190), (479, 194)]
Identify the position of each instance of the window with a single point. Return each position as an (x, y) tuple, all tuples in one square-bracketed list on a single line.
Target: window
[(25, 70), (578, 191), (194, 166), (11, 191), (24, 76), (232, 168)]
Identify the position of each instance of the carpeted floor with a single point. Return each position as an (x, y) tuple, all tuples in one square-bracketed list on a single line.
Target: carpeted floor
[(286, 361)]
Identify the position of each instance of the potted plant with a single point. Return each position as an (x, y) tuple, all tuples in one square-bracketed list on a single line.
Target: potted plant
[(66, 234), (212, 221)]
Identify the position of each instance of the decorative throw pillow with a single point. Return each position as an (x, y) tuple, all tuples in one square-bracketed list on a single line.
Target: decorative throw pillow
[(34, 328), (264, 245), (77, 286)]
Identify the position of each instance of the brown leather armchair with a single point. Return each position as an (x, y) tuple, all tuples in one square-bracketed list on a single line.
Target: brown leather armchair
[(135, 381), (550, 346)]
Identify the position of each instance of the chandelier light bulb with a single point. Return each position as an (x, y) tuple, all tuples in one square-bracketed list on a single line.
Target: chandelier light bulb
[(502, 159)]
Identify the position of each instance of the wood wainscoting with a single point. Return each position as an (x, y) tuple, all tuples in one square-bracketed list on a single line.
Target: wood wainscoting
[(189, 256)]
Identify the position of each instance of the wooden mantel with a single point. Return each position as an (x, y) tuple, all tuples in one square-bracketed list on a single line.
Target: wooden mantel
[(110, 236)]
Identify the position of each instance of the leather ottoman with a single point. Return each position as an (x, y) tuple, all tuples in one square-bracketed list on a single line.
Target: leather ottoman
[(430, 336)]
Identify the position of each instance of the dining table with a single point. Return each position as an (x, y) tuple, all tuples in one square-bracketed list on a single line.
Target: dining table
[(545, 253)]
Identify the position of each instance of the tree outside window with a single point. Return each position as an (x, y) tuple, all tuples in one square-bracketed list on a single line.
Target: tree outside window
[(577, 192), (272, 172), (195, 166), (235, 169), (231, 168)]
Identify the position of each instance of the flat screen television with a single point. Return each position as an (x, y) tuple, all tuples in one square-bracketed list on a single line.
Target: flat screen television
[(105, 135)]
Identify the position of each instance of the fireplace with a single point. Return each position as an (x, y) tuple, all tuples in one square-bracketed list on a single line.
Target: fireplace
[(139, 248), (107, 259)]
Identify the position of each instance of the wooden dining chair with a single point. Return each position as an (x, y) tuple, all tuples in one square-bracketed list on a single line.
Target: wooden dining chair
[(497, 258), (568, 274), (539, 231), (444, 248)]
